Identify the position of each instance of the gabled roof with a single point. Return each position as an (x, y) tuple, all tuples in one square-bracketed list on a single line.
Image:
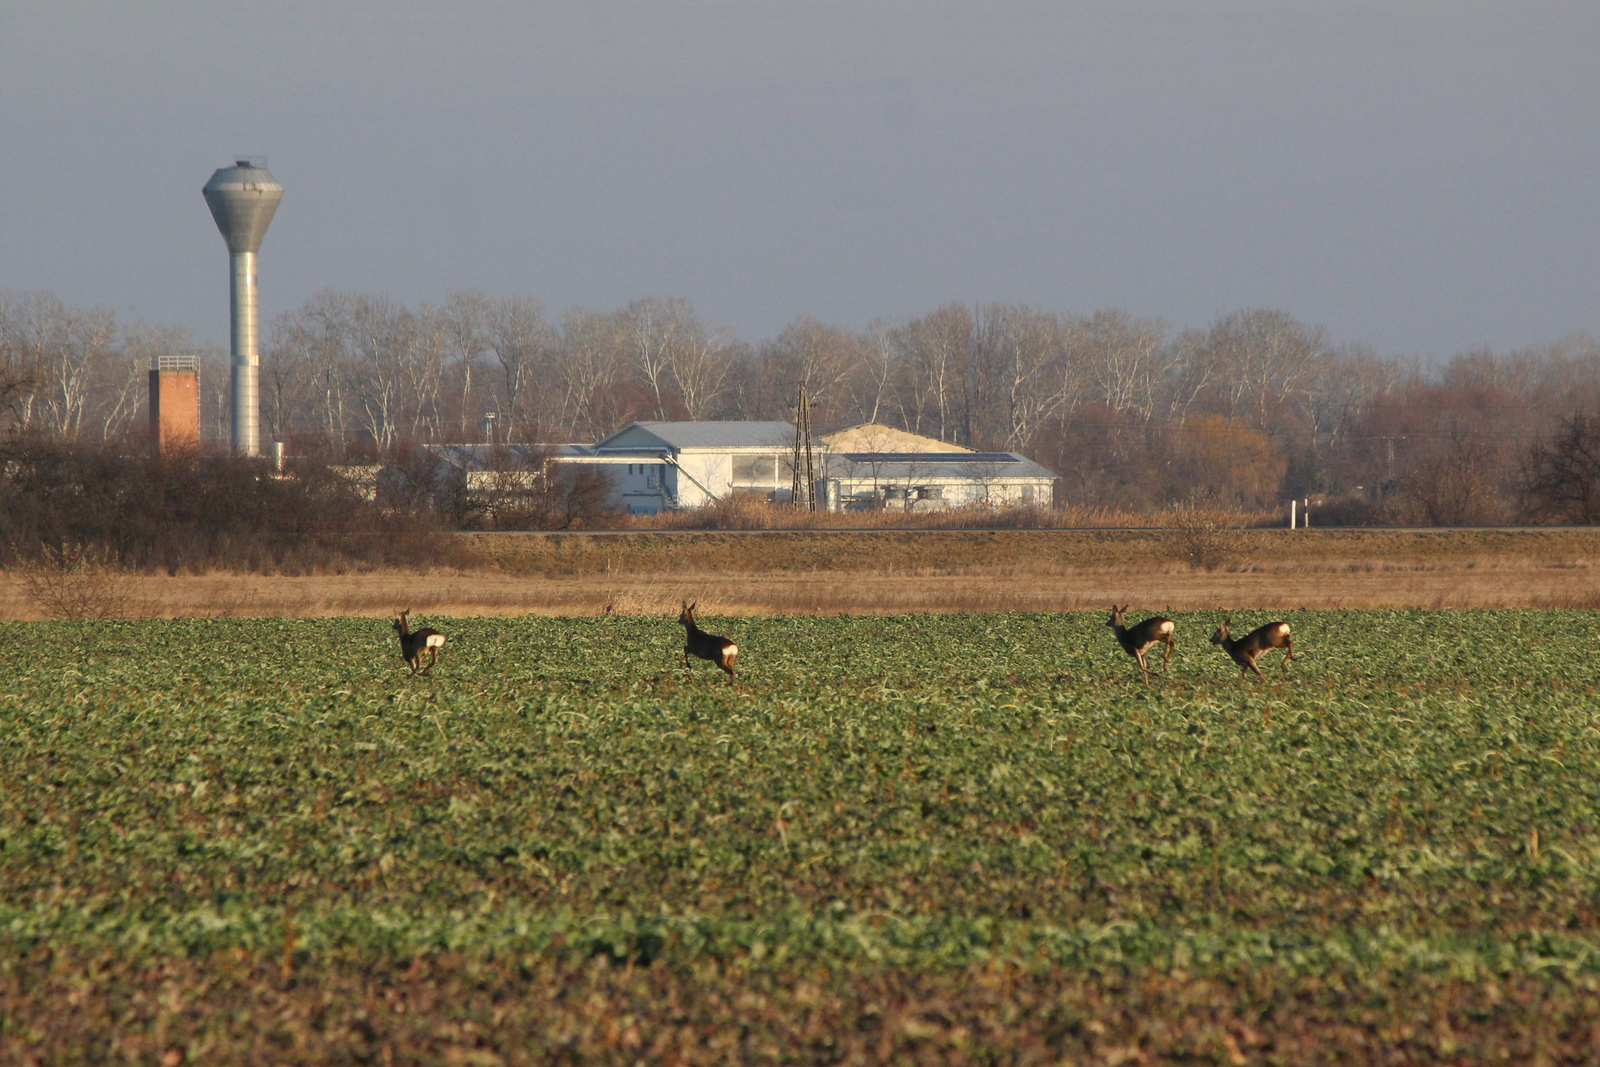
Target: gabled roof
[(680, 435), (876, 437)]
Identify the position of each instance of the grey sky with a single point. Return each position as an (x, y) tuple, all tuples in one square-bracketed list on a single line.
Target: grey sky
[(1421, 176)]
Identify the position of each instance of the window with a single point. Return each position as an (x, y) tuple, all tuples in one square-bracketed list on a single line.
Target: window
[(755, 470)]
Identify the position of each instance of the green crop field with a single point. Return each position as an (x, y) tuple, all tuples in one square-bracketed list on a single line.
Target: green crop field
[(943, 838)]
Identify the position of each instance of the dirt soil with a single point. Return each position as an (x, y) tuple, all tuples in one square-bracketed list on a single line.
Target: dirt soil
[(912, 571)]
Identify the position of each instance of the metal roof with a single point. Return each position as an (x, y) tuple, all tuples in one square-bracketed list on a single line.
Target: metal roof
[(680, 435), (932, 466), (482, 457), (931, 457)]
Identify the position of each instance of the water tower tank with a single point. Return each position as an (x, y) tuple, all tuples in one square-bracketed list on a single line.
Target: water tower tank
[(242, 199)]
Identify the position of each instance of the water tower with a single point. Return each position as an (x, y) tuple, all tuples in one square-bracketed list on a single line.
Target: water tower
[(242, 199)]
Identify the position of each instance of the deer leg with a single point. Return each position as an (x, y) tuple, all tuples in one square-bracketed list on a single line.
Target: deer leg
[(1139, 655), (1288, 653)]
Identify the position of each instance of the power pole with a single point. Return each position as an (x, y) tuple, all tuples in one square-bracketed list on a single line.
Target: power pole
[(804, 467)]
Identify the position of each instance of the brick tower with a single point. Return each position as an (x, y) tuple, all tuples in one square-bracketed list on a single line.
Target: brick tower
[(175, 404)]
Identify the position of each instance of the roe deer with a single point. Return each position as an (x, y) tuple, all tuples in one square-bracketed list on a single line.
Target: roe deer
[(413, 643), (1137, 640), (1246, 650), (701, 645)]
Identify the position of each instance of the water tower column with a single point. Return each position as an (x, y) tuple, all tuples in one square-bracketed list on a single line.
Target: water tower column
[(246, 357)]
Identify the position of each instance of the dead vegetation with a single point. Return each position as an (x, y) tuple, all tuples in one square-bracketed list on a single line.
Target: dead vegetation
[(753, 513), (1206, 540), (806, 572), (74, 581)]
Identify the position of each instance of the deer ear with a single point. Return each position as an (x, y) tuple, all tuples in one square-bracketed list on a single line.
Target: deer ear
[(694, 605)]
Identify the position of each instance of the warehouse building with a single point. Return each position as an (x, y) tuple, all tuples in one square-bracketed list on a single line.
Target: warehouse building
[(662, 466)]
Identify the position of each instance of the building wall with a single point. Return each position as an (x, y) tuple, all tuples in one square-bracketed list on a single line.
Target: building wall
[(644, 487), (946, 493), (175, 410)]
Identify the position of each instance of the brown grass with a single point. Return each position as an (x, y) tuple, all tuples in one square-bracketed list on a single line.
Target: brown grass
[(752, 513), (911, 571)]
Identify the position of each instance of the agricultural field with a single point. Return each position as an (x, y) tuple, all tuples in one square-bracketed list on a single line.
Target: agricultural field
[(940, 838)]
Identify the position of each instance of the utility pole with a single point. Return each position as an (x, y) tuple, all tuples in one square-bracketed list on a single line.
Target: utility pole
[(804, 467)]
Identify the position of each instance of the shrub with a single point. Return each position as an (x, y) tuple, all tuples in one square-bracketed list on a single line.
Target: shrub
[(76, 582)]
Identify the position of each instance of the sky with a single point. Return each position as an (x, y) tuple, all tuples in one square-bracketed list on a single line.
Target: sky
[(1421, 177)]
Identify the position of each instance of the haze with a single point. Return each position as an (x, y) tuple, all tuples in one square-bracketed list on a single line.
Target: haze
[(1422, 177)]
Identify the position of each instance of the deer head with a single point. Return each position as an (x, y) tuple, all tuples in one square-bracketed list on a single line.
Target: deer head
[(1222, 633)]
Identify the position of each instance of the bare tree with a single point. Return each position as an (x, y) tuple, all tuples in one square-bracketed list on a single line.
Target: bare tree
[(1254, 360), (466, 323), (700, 362), (934, 350), (594, 357), (1561, 475), (652, 325), (1124, 359), (1027, 356), (520, 338), (66, 351), (822, 357)]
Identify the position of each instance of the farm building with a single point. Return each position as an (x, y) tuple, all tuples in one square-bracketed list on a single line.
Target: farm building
[(872, 466), (658, 466), (661, 466)]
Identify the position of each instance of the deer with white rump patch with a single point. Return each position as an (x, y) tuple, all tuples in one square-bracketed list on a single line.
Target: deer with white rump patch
[(413, 643), (1247, 649), (1137, 640), (701, 645)]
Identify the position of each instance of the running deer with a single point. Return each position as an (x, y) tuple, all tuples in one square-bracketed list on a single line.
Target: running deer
[(1137, 640), (701, 645), (413, 643), (1246, 650)]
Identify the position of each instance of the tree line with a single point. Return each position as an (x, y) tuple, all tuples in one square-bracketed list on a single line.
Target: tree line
[(1249, 411)]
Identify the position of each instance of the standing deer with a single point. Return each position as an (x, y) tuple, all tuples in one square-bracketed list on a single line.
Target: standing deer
[(701, 645), (1137, 640), (413, 643), (1246, 650)]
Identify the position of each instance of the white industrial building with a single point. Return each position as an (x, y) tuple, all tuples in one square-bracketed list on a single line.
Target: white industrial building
[(659, 466), (662, 466)]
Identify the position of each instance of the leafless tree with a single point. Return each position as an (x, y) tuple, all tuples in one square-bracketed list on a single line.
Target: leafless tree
[(593, 357), (466, 324), (1123, 356), (1026, 352), (1561, 475), (521, 340), (933, 351), (823, 357)]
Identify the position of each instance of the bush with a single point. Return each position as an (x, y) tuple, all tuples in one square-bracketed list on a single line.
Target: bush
[(195, 511), (1206, 540), (76, 582)]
